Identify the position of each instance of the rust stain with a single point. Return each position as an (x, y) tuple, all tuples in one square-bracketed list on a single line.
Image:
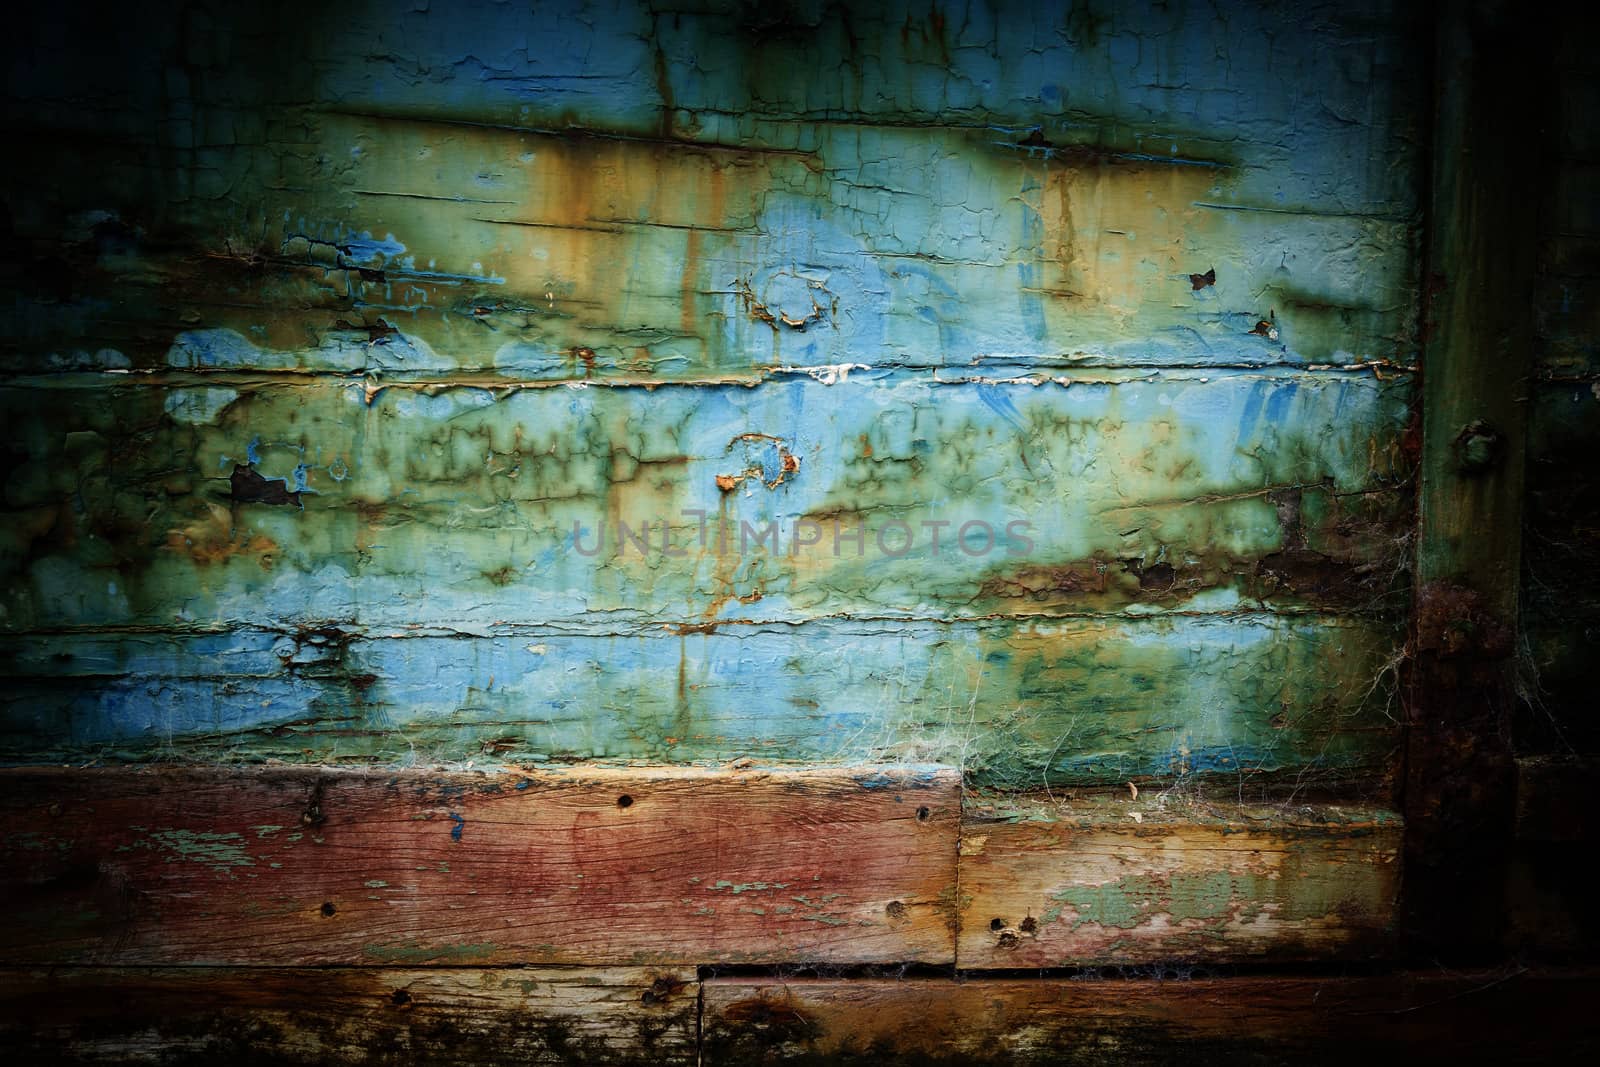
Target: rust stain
[(214, 540), (788, 463)]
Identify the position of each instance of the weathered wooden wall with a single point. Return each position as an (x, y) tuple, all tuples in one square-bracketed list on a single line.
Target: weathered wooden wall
[(378, 386), (335, 335)]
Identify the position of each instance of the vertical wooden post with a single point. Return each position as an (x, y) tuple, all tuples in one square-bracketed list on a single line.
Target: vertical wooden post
[(1460, 778)]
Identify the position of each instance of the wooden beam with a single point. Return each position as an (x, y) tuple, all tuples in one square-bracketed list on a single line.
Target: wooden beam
[(1490, 64), (238, 865), (466, 1016), (1512, 1015), (1112, 879)]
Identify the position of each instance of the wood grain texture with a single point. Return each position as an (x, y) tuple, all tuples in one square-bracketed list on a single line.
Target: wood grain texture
[(617, 1016), (1189, 542), (241, 499), (466, 1015), (1016, 703), (1116, 880), (312, 354), (240, 865), (1475, 1017), (1492, 69), (668, 195)]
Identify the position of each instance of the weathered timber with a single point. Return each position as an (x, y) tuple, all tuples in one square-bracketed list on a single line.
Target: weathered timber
[(272, 865), (880, 494), (1104, 879), (456, 1015), (473, 1015), (1250, 700), (1252, 521), (1491, 73), (287, 347), (1504, 1016), (692, 201)]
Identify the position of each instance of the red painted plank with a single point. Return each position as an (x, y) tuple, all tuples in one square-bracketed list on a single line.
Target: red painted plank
[(281, 865)]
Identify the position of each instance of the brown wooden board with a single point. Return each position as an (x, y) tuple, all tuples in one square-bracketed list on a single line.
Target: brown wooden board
[(1508, 1016), (1114, 879), (1491, 68), (458, 1015), (276, 865)]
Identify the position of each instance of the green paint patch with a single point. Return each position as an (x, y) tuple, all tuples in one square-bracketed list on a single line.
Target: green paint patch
[(826, 920), (1201, 896), (414, 952), (218, 851), (750, 887), (34, 841), (1132, 901)]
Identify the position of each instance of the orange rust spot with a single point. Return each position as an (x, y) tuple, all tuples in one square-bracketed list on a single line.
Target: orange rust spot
[(728, 482), (718, 602), (1040, 582), (684, 628), (212, 541)]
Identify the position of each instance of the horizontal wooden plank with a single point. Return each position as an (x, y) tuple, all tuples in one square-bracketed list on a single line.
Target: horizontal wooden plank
[(796, 500), (270, 865), (573, 217), (636, 1016), (1254, 701), (1145, 83), (1492, 1016), (455, 1015), (1106, 879), (676, 262)]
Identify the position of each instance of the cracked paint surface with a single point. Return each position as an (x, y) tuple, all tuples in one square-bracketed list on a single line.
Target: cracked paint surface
[(373, 402)]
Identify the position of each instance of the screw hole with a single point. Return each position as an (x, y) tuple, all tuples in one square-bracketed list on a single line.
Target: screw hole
[(624, 801), (400, 998), (895, 910), (648, 998), (1029, 925), (997, 924), (328, 910), (923, 814)]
